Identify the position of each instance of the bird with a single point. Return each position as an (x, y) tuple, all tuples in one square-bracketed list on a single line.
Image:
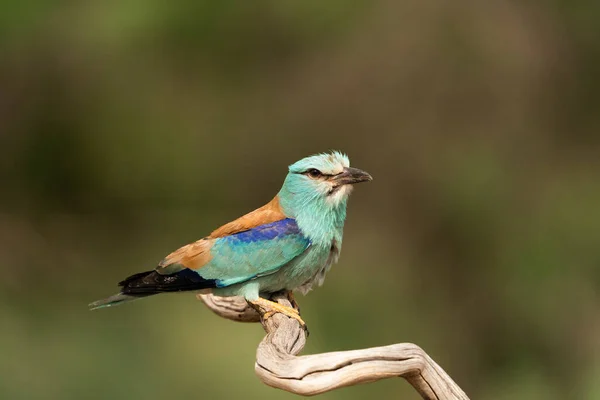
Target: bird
[(289, 244)]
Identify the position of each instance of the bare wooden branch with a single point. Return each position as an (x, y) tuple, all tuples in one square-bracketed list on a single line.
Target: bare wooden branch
[(278, 365)]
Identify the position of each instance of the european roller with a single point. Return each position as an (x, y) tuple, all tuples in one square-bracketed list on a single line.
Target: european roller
[(288, 244)]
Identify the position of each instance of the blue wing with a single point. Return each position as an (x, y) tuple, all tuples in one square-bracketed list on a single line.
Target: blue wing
[(256, 252)]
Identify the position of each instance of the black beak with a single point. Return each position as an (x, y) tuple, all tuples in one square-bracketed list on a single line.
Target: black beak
[(351, 176)]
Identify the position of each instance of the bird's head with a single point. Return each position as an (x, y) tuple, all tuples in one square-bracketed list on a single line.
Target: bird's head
[(320, 182)]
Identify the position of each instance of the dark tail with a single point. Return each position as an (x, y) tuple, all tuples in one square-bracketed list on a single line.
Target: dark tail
[(149, 283)]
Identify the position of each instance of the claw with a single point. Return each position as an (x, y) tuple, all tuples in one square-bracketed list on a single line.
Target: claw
[(268, 308)]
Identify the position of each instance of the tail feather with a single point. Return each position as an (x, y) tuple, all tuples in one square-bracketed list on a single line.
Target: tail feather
[(148, 283), (114, 300)]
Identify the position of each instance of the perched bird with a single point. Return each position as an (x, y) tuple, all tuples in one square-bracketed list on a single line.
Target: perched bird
[(288, 244)]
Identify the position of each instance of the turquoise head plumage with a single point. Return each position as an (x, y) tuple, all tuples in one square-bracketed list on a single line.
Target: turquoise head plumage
[(315, 193)]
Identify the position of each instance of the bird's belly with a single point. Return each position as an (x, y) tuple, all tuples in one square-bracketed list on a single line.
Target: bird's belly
[(301, 273)]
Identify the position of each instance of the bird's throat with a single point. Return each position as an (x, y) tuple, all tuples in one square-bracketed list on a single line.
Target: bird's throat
[(322, 222)]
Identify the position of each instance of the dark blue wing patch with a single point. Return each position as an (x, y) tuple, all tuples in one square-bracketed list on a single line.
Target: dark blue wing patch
[(270, 231)]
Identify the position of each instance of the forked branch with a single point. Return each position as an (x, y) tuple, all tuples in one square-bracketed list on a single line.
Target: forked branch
[(278, 365)]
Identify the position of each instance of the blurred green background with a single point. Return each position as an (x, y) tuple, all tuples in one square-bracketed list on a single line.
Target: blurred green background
[(129, 128)]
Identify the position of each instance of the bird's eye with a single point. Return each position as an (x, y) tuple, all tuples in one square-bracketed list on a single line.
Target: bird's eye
[(314, 173)]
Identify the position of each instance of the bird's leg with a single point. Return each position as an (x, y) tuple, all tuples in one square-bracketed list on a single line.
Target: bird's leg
[(268, 308), (292, 299)]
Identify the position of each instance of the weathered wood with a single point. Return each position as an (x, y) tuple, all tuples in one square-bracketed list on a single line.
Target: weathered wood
[(278, 365)]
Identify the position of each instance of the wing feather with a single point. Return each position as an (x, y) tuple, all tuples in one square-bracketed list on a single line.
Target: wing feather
[(266, 214), (257, 252), (192, 256), (254, 245)]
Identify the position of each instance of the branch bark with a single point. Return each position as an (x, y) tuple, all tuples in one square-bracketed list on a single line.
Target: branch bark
[(279, 366)]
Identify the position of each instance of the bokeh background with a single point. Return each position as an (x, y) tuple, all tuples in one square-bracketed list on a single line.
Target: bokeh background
[(130, 128)]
